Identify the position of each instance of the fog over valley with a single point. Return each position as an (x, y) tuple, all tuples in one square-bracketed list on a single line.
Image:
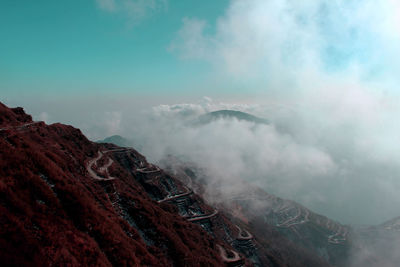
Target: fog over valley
[(339, 168)]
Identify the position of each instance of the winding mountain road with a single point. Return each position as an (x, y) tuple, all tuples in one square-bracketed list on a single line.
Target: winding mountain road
[(296, 219), (117, 150), (104, 169), (187, 193), (202, 217), (244, 235), (147, 171), (224, 255), (20, 127), (338, 238)]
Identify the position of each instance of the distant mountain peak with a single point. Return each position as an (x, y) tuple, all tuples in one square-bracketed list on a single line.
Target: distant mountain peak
[(230, 114), (116, 140)]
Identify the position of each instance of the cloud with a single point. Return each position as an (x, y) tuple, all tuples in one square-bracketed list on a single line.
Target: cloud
[(375, 247), (134, 10), (332, 158), (101, 124), (44, 116), (325, 73), (191, 42), (108, 5), (113, 122), (331, 71), (252, 152), (277, 40)]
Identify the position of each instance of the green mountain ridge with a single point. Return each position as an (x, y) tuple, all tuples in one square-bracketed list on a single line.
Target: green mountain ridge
[(230, 114), (117, 140)]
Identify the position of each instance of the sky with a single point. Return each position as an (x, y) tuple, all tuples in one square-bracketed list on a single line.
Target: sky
[(90, 47), (191, 48), (325, 73)]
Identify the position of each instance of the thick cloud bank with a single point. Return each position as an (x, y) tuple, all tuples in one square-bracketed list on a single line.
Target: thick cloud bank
[(331, 70), (277, 40), (333, 167)]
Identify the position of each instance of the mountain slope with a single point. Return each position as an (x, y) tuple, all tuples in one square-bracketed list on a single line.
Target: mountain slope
[(53, 212), (284, 222), (67, 201), (229, 114)]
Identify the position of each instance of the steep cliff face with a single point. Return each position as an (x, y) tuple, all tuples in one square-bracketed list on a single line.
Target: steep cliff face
[(65, 200)]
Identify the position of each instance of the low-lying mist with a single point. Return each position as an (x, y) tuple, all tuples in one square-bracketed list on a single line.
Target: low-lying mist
[(338, 156), (335, 168)]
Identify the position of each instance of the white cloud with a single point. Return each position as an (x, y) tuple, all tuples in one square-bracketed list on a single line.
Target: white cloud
[(332, 69), (108, 5), (277, 40), (134, 10), (112, 121), (140, 9), (191, 43), (44, 116), (100, 124), (252, 152), (329, 71), (332, 156)]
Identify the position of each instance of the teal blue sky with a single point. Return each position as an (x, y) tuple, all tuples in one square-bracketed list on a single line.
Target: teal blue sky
[(57, 47), (233, 49)]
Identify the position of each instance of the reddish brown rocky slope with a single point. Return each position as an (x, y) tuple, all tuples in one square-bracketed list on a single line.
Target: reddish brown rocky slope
[(67, 201)]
